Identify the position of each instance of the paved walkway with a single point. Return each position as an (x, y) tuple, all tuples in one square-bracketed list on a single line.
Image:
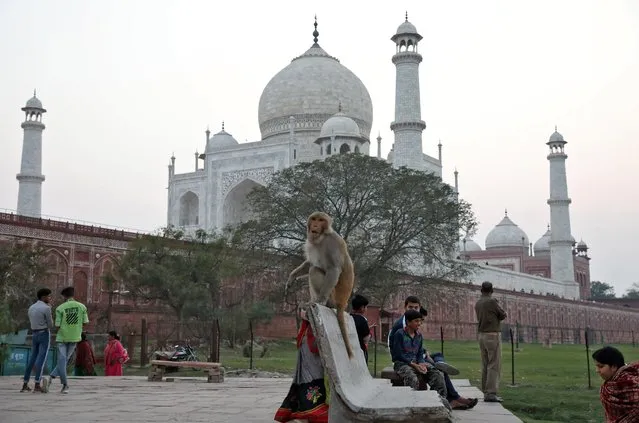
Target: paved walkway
[(133, 399)]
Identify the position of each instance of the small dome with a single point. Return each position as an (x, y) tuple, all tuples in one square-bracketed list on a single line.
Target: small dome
[(556, 137), (221, 140), (406, 28), (340, 125), (543, 244), (505, 235), (582, 245), (34, 103), (469, 246)]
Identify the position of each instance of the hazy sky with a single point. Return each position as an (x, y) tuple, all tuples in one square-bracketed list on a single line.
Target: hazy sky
[(127, 83)]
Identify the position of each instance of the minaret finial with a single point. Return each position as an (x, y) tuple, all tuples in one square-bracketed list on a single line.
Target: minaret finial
[(222, 125), (407, 16), (555, 128), (505, 212), (34, 92), (315, 33), (549, 226), (339, 107)]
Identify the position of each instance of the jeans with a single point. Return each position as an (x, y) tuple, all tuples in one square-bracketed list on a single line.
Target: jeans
[(452, 392), (39, 349), (65, 350)]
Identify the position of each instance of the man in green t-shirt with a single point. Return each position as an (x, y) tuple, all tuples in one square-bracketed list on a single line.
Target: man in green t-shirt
[(70, 316)]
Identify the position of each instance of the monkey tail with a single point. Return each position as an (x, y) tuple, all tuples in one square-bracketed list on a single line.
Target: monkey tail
[(342, 328)]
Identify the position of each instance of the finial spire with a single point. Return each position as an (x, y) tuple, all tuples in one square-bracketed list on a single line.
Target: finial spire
[(315, 33), (222, 125), (34, 92), (505, 212), (549, 226), (407, 16), (555, 128), (339, 107)]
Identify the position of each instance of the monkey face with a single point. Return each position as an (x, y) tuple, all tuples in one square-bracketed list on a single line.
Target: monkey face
[(318, 224)]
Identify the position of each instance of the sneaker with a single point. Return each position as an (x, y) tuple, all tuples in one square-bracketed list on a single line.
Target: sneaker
[(65, 389), (442, 366), (44, 387), (25, 388)]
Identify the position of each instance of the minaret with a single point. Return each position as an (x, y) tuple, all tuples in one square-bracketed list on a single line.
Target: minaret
[(379, 145), (561, 257), (30, 177), (408, 124)]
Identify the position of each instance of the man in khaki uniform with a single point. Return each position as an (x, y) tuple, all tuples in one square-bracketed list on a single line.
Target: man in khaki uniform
[(489, 316)]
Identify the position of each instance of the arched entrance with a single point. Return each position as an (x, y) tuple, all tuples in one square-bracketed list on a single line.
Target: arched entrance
[(189, 209), (236, 207)]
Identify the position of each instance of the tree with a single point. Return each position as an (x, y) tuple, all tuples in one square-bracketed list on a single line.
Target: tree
[(396, 221), (633, 291), (22, 265), (601, 290), (185, 275)]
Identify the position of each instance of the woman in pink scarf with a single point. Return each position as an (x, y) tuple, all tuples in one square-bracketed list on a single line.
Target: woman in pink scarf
[(620, 391), (114, 355)]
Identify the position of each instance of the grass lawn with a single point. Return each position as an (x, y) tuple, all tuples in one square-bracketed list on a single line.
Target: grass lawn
[(551, 384)]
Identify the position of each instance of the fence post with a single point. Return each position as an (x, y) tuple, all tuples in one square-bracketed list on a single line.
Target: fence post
[(214, 351), (588, 358), (130, 343), (512, 356), (441, 338), (517, 327), (375, 352), (144, 343), (251, 345)]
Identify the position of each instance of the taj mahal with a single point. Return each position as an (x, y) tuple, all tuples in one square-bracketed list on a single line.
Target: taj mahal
[(316, 107)]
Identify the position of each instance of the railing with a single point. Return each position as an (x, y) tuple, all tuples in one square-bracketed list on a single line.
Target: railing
[(76, 227)]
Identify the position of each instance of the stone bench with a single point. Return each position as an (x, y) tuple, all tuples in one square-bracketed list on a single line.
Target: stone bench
[(355, 395), (214, 371), (390, 374)]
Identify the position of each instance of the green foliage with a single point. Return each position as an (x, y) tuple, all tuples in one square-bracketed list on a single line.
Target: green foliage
[(392, 219), (182, 274), (633, 291), (22, 268), (601, 290)]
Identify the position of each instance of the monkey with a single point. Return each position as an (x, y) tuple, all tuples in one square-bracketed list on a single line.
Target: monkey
[(330, 275)]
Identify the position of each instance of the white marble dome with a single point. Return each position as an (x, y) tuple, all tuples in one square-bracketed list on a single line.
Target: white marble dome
[(34, 103), (470, 245), (340, 125), (310, 89), (542, 246), (406, 28), (220, 141), (506, 235), (556, 137)]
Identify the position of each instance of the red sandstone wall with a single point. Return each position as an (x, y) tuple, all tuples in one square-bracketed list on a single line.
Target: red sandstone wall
[(79, 255)]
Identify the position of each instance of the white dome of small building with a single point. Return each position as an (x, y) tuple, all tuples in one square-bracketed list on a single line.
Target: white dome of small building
[(220, 141), (556, 137), (406, 28), (506, 235), (340, 125), (468, 245), (34, 103), (542, 246)]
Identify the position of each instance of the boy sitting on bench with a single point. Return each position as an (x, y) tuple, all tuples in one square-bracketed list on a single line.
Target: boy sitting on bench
[(409, 362)]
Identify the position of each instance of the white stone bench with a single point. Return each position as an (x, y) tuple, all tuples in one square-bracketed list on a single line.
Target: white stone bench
[(355, 395), (214, 371)]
